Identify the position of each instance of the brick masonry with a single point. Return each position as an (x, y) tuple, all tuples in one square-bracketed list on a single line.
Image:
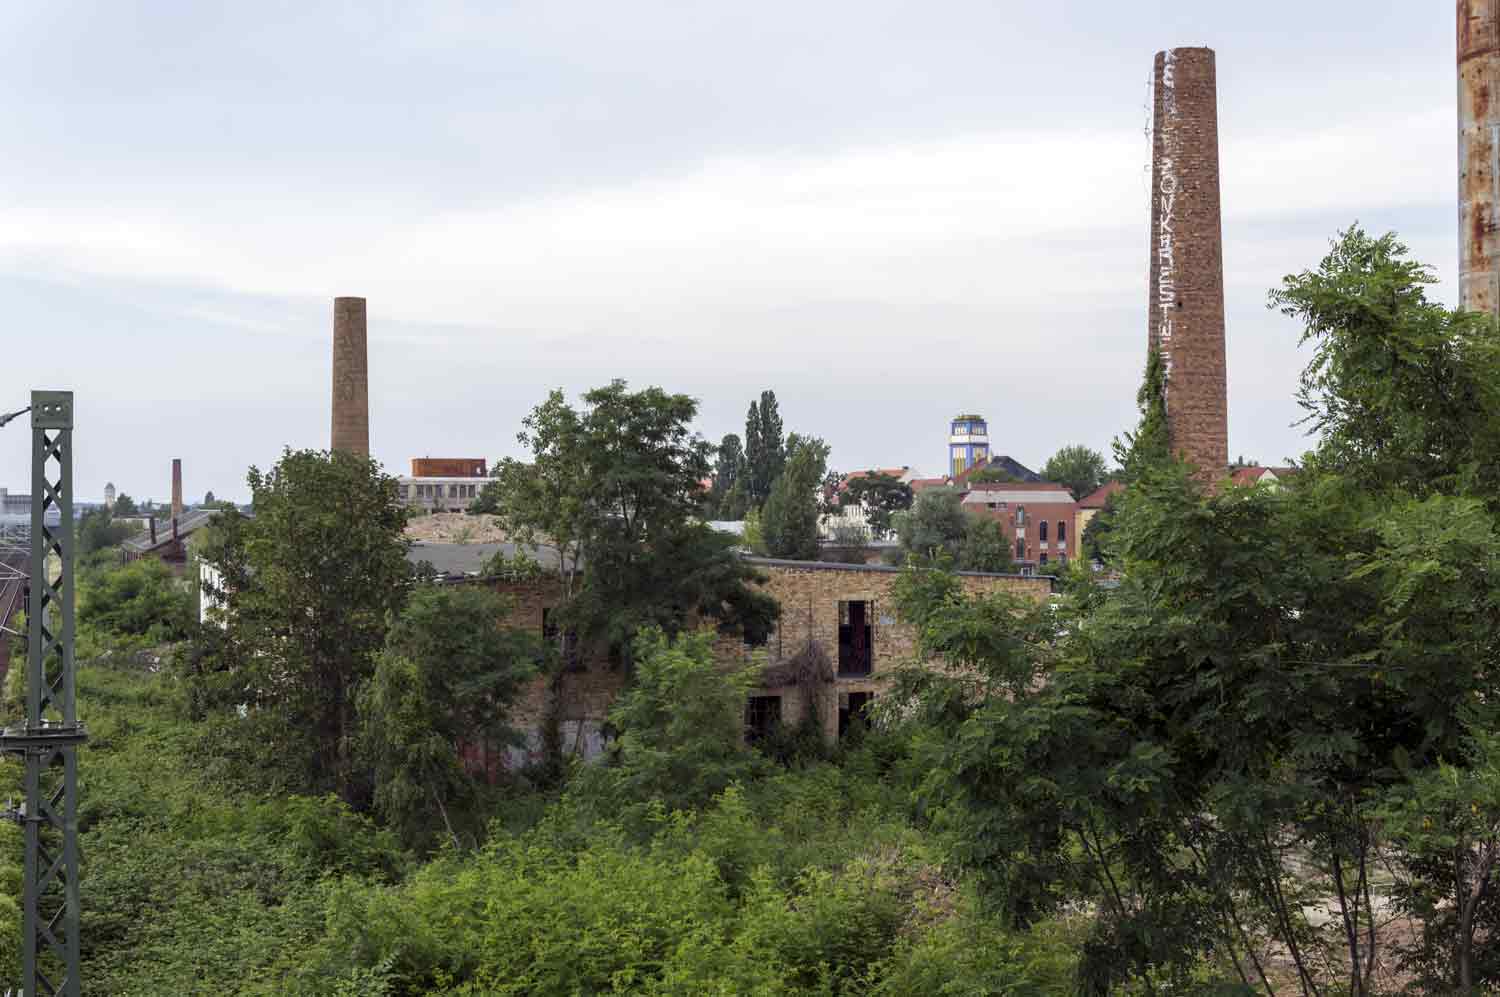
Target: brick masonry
[(809, 594), (351, 378), (1186, 313), (177, 505)]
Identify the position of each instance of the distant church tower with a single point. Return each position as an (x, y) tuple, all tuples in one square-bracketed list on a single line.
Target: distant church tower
[(109, 495), (968, 443)]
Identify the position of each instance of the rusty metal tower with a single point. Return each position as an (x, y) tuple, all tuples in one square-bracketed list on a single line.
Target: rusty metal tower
[(1479, 155), (48, 741)]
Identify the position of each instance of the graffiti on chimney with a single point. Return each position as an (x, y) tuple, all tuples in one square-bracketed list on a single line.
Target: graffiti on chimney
[(1166, 241)]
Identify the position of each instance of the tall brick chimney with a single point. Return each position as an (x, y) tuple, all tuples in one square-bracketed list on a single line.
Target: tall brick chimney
[(1478, 154), (1186, 313), (351, 381), (176, 487)]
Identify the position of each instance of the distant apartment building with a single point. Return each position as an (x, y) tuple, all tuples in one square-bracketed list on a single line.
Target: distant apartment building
[(853, 515), (1039, 518), (442, 484)]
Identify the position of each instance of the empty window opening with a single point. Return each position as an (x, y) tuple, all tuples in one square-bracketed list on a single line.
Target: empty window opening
[(854, 709), (1041, 531), (762, 717), (856, 637), (1020, 548), (565, 644), (1062, 530)]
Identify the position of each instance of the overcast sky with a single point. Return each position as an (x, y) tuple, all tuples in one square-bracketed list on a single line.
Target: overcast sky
[(887, 212)]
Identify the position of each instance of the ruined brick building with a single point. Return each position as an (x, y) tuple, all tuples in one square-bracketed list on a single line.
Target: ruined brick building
[(840, 615)]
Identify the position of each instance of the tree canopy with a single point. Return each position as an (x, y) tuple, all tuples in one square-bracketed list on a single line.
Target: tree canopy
[(616, 488), (1078, 469), (445, 680), (766, 449), (1278, 680), (309, 583), (789, 521), (881, 496)]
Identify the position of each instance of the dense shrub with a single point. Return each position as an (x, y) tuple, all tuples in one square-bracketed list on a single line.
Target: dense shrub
[(139, 601)]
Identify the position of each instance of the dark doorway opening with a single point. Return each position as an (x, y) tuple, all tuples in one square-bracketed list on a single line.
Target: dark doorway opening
[(856, 638), (853, 708), (762, 717)]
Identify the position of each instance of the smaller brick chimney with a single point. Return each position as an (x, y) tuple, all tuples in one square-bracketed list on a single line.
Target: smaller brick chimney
[(176, 488)]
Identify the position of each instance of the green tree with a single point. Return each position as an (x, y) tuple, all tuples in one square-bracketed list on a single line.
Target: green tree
[(1401, 390), (934, 526), (616, 488), (882, 496), (1150, 445), (1095, 543), (125, 506), (310, 582), (766, 450), (1205, 749), (989, 475), (789, 521), (1078, 469), (681, 724), (138, 599), (1444, 824), (487, 502), (446, 679), (985, 547), (97, 530), (727, 498)]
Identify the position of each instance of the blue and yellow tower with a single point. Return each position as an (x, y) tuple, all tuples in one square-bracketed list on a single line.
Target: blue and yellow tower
[(968, 443)]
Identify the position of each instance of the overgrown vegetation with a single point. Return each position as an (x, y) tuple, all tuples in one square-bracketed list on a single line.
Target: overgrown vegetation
[(1241, 770)]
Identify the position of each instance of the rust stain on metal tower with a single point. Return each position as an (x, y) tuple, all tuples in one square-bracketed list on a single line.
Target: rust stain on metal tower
[(1478, 155)]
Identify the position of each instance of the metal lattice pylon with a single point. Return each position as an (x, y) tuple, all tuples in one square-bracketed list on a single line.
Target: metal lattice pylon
[(50, 737)]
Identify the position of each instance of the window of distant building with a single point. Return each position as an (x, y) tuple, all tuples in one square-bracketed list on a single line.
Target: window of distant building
[(1062, 530), (762, 716), (402, 490), (1041, 531), (1042, 559), (856, 637), (1020, 548)]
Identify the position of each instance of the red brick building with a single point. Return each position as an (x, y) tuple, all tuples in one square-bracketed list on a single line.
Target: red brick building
[(1038, 516), (448, 467)]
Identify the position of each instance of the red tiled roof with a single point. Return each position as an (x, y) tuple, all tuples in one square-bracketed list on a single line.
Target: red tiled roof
[(1097, 498), (889, 472), (918, 484)]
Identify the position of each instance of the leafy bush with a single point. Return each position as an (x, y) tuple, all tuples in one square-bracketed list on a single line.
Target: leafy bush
[(680, 726), (139, 601)]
